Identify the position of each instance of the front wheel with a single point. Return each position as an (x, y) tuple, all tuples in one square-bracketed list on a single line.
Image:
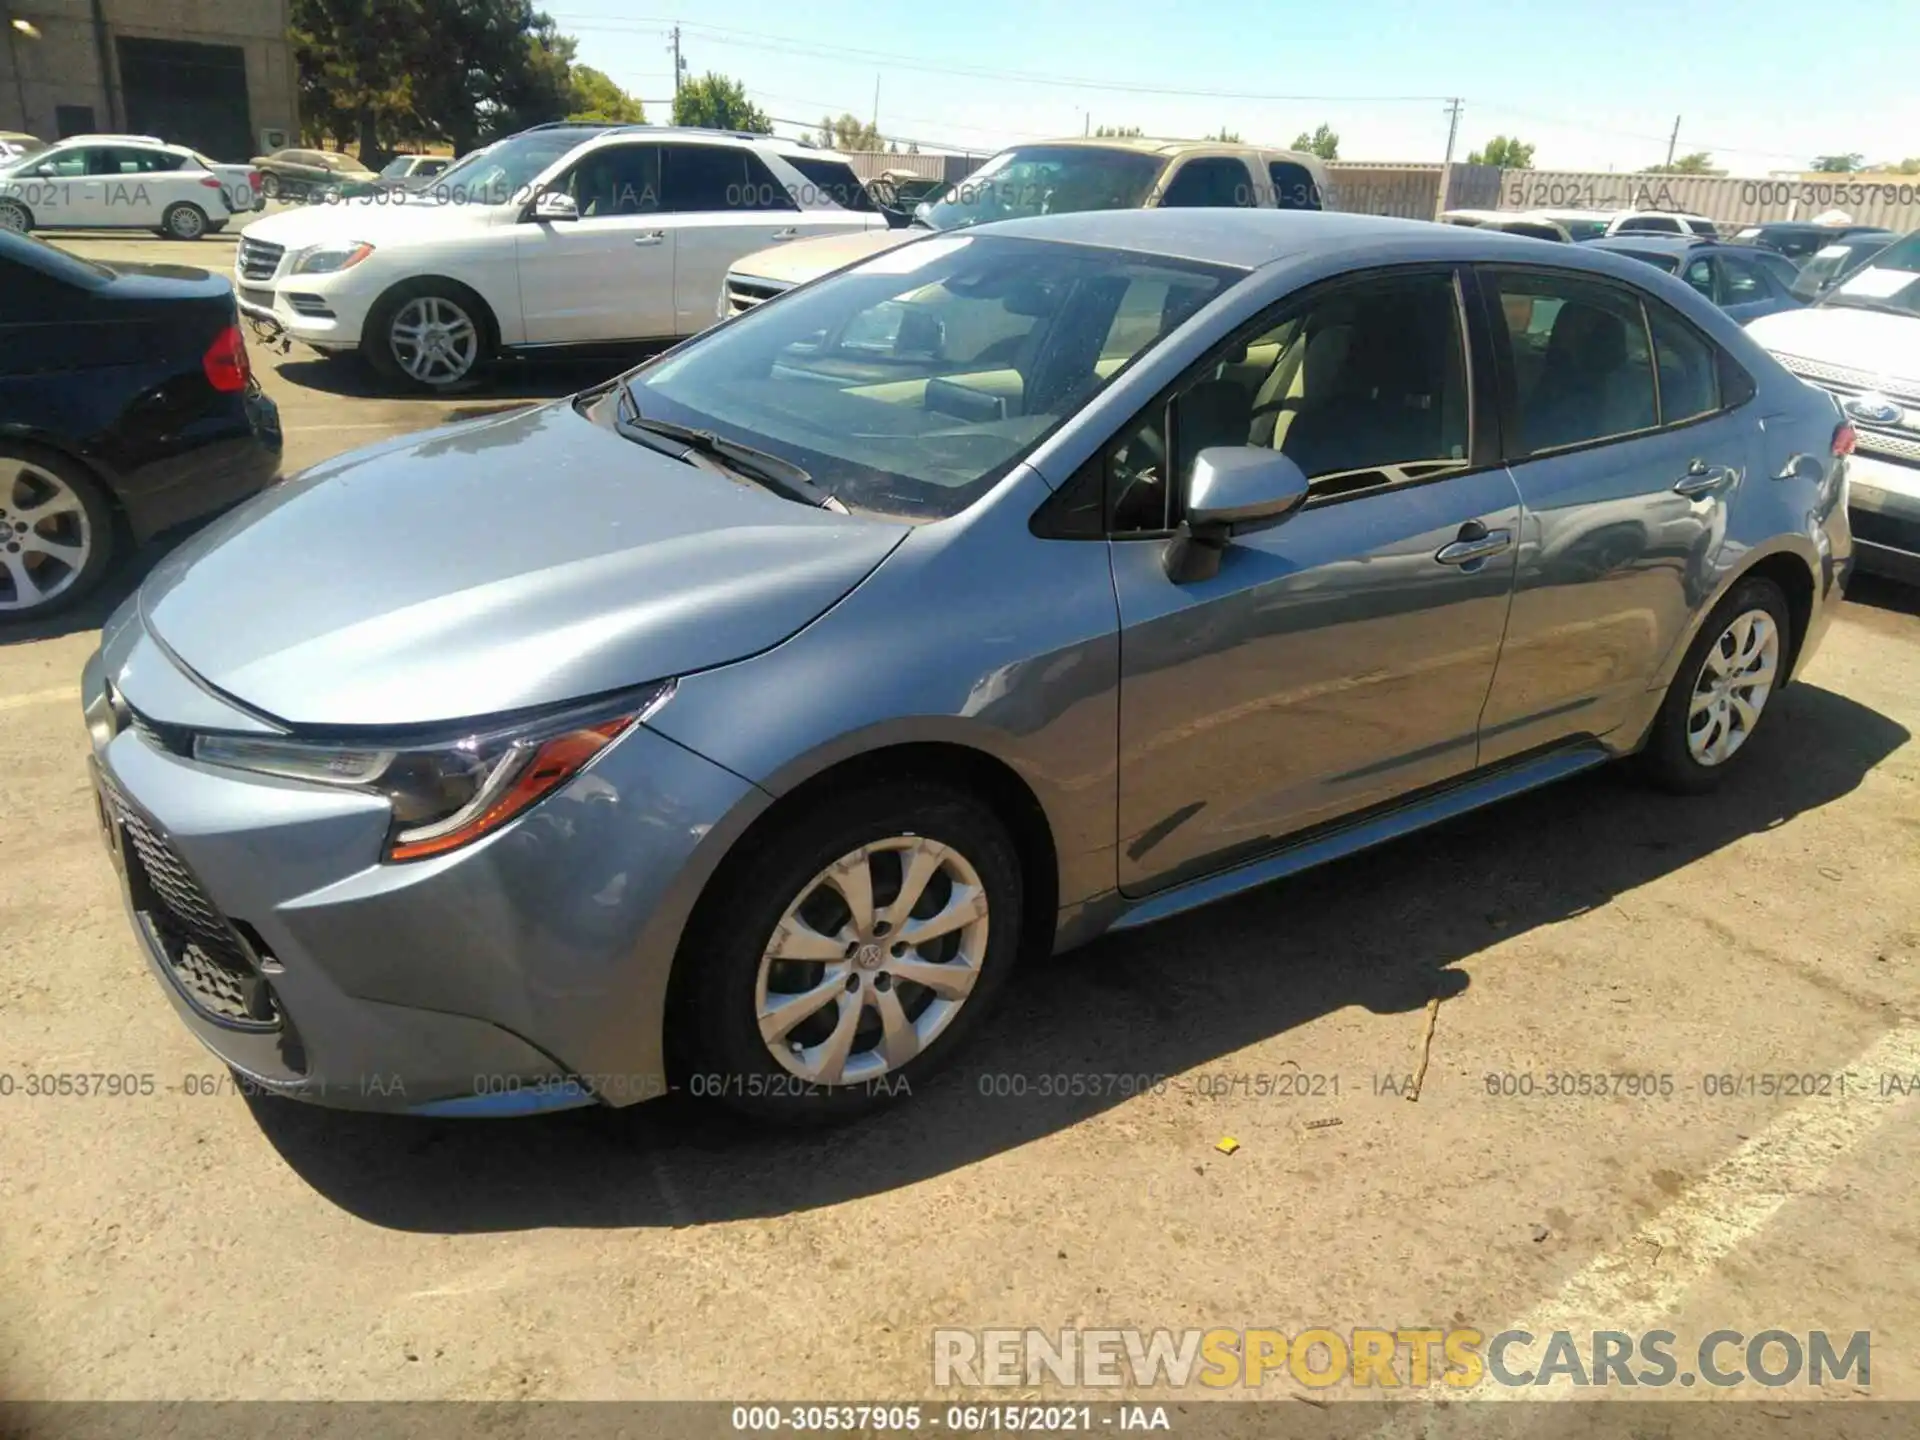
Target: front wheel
[(15, 217), (852, 954), (427, 335), (1719, 696)]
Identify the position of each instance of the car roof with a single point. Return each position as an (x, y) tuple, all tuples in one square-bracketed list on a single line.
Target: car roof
[(1167, 148), (1250, 238), (1655, 240)]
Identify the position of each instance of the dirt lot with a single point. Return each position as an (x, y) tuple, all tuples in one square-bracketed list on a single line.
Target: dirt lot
[(180, 1244)]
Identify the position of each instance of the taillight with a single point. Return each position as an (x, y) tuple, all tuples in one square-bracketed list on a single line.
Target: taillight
[(253, 179), (1843, 438), (212, 182), (226, 361)]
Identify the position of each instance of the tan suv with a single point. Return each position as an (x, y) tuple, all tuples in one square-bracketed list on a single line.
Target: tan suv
[(1054, 177)]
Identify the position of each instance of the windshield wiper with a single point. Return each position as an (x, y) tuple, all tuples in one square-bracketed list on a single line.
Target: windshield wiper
[(783, 477)]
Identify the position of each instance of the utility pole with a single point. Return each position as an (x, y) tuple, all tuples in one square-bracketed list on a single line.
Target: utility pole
[(1446, 166), (876, 107), (679, 65), (1672, 141)]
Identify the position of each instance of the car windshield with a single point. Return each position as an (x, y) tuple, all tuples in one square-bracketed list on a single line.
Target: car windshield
[(1891, 283), (503, 170), (1834, 261), (1045, 180), (397, 167), (909, 384)]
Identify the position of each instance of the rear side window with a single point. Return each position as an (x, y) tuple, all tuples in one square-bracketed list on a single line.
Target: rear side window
[(832, 180), (1743, 280), (1582, 367), (1209, 183), (1646, 225), (1293, 186), (1686, 360), (718, 178), (1703, 227)]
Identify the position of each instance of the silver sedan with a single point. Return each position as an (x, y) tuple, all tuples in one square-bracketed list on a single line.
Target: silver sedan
[(740, 723)]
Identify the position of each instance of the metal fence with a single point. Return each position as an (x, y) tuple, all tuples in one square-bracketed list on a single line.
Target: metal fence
[(1889, 200)]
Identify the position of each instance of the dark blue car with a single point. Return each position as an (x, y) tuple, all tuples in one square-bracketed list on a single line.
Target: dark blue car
[(1743, 280)]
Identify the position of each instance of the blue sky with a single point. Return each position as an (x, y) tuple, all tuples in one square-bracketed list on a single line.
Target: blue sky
[(1592, 83)]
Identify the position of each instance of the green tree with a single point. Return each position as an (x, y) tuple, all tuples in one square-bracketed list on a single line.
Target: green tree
[(1509, 153), (849, 132), (1698, 163), (1116, 132), (596, 97), (1226, 136), (717, 103), (1909, 166), (353, 61), (1839, 164), (1324, 142)]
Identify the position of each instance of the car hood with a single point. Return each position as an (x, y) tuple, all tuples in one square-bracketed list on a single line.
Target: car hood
[(1867, 340), (502, 564), (803, 260), (374, 218)]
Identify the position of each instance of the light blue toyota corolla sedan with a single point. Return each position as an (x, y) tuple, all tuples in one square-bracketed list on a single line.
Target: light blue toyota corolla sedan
[(741, 722)]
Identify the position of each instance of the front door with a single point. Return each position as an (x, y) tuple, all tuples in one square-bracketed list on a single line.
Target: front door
[(1342, 658), (1630, 432), (606, 276)]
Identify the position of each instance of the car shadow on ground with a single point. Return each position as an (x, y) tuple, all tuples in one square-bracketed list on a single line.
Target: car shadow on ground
[(1386, 931), (350, 377)]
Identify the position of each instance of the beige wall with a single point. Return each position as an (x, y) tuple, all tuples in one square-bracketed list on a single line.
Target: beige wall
[(62, 67), (1889, 200)]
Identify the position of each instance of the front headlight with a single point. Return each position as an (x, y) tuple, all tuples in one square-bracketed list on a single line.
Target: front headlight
[(326, 259), (449, 792)]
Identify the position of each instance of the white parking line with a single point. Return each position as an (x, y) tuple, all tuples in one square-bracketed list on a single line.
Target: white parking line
[(38, 697), (1640, 1285)]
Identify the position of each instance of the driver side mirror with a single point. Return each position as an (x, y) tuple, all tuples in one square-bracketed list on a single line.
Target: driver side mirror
[(555, 205), (1233, 490)]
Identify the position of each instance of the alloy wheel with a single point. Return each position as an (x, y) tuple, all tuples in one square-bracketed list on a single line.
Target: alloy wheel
[(185, 222), (433, 340), (45, 536), (13, 219), (1732, 687), (872, 960)]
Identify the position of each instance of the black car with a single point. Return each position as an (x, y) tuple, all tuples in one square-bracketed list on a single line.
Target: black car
[(127, 406), (1799, 239)]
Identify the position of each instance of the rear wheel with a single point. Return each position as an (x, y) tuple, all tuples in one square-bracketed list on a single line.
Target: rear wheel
[(270, 186), (851, 954), (1721, 692), (184, 221), (56, 533)]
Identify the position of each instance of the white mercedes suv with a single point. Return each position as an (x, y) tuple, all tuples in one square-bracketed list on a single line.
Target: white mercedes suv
[(564, 235)]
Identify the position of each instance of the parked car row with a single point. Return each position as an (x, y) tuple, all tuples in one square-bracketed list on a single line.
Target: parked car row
[(1018, 582)]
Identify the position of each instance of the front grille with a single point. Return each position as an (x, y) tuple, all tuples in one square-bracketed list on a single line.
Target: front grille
[(259, 259), (1843, 381), (206, 957), (744, 294), (1885, 443)]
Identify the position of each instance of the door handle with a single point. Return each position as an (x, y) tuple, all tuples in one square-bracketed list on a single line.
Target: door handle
[(789, 233), (1703, 479), (1476, 543), (652, 237)]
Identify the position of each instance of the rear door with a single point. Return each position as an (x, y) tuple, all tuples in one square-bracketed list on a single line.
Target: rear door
[(1338, 660), (1627, 431), (608, 275), (721, 203)]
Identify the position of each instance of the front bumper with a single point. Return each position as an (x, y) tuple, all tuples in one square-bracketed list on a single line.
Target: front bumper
[(1883, 504), (526, 972), (327, 312)]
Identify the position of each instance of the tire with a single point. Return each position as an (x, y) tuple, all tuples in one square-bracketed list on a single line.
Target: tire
[(15, 217), (780, 886), (74, 515), (270, 186), (1713, 706), (435, 305), (184, 221)]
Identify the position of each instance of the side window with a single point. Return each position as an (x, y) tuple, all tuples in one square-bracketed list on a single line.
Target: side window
[(1743, 280), (759, 190), (67, 165), (702, 179), (1704, 227), (617, 180), (1699, 274), (1582, 367), (1293, 186), (1364, 385), (1689, 373), (1647, 225), (1215, 181)]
